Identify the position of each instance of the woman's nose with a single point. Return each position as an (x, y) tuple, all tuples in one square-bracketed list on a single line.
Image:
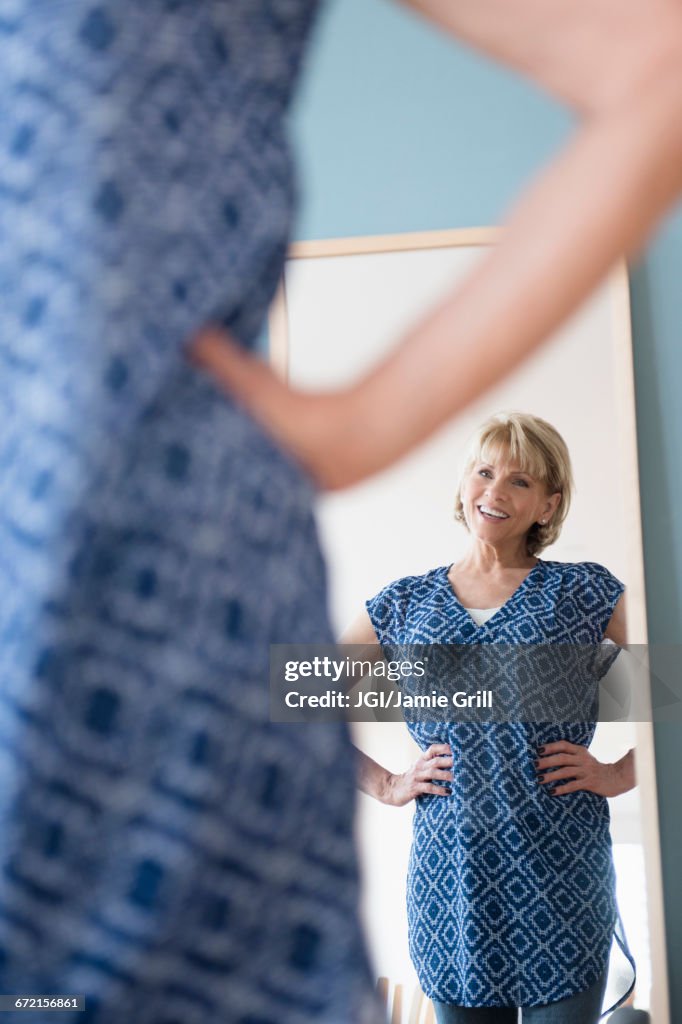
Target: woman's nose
[(495, 490)]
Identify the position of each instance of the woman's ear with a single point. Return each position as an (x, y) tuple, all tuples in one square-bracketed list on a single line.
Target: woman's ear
[(551, 506)]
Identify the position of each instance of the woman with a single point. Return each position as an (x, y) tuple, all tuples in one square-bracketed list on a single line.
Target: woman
[(155, 541), (511, 885), (164, 847)]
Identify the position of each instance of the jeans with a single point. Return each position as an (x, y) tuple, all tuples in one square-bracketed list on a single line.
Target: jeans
[(583, 1008)]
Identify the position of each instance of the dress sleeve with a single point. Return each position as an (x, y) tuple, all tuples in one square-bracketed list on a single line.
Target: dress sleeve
[(387, 611), (603, 592)]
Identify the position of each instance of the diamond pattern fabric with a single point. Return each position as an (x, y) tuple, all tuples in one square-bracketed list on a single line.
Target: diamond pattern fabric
[(165, 850)]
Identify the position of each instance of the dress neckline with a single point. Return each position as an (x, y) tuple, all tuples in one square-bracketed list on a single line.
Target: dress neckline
[(503, 608)]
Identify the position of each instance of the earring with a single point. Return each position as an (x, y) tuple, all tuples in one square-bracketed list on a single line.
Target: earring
[(542, 522)]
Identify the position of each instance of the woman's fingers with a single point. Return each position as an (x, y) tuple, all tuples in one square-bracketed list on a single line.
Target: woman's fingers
[(583, 771), (431, 790), (569, 787), (442, 762), (564, 760), (557, 760), (431, 774), (562, 773), (438, 749), (560, 747), (434, 768), (433, 765)]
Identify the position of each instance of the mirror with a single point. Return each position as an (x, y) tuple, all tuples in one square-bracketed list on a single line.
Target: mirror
[(342, 304)]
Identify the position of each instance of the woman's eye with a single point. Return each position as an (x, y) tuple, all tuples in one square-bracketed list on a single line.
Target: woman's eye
[(521, 483), (484, 472)]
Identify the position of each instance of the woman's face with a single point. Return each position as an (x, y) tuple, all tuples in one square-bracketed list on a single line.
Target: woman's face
[(501, 502)]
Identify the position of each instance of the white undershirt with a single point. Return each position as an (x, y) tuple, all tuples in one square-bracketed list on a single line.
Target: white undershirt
[(481, 615)]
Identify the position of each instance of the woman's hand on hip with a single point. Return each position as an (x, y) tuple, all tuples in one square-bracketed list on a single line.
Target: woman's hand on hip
[(333, 435), (434, 763), (570, 767)]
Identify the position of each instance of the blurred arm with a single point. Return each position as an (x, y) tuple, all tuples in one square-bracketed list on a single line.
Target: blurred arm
[(621, 65)]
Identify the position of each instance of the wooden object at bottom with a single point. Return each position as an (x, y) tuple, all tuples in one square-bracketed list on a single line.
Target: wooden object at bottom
[(391, 998)]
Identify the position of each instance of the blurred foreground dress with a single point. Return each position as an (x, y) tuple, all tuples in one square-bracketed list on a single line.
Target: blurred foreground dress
[(164, 850)]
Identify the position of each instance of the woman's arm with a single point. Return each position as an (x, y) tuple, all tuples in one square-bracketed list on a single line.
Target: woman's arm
[(619, 63), (377, 781), (361, 632), (591, 54), (575, 762)]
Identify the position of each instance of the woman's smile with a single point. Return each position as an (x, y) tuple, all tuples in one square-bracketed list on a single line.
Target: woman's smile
[(492, 514)]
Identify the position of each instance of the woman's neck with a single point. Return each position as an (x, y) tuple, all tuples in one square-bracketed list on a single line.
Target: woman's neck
[(495, 560)]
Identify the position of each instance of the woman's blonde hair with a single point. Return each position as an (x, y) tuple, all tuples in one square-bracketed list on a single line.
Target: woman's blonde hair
[(539, 450)]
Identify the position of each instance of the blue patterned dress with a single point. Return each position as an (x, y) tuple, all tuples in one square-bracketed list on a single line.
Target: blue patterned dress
[(164, 850), (511, 892)]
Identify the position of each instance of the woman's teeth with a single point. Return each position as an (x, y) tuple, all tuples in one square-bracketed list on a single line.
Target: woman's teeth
[(494, 513)]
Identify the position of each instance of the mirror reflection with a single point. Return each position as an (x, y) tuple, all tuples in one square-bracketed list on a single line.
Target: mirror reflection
[(487, 881)]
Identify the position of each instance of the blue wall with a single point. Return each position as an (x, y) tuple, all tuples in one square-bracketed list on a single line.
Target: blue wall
[(398, 130)]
